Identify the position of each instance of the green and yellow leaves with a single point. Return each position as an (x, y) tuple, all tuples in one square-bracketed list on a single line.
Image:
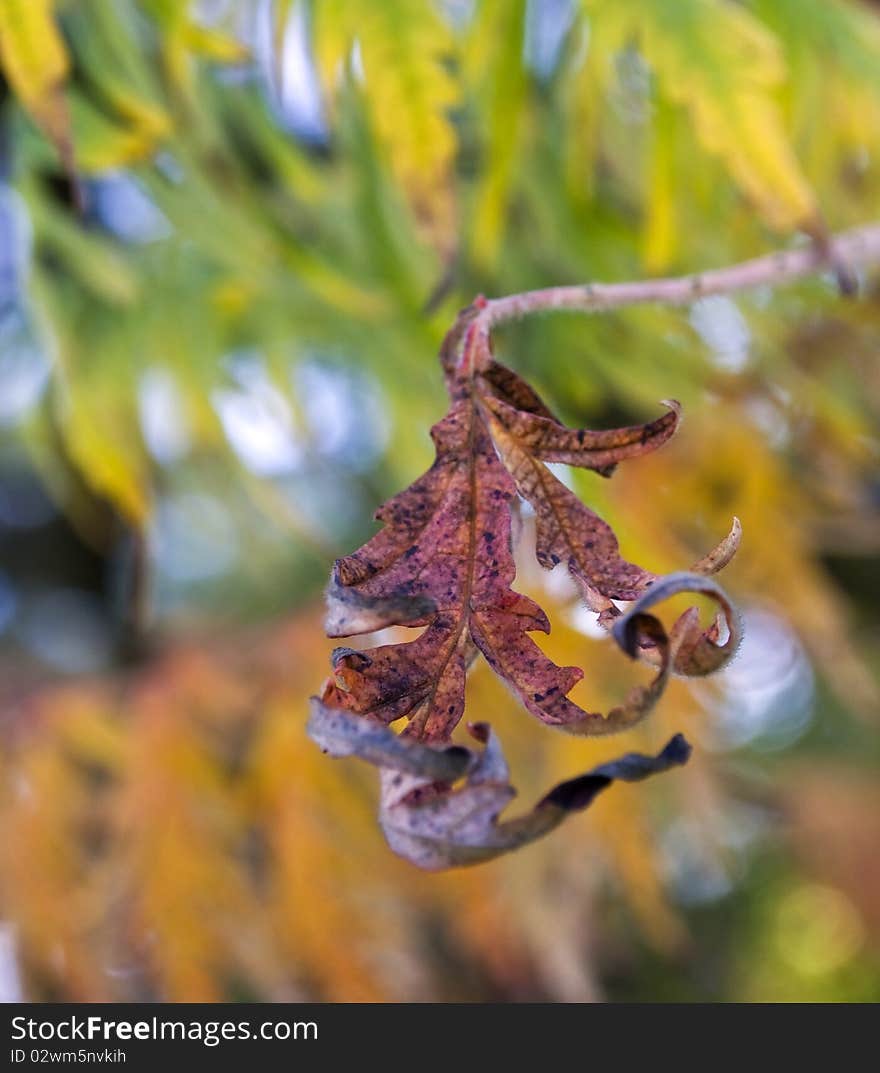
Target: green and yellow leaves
[(716, 61), (116, 120), (712, 62), (498, 85), (444, 561), (451, 104), (183, 37), (399, 54), (451, 107), (117, 115), (832, 105), (35, 62)]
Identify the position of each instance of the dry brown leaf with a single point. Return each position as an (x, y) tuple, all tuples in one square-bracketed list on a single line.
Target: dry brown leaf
[(444, 561)]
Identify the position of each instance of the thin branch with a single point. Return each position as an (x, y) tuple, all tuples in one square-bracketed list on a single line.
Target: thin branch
[(860, 245)]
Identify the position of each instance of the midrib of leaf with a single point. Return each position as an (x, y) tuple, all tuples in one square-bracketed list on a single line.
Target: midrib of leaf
[(418, 722)]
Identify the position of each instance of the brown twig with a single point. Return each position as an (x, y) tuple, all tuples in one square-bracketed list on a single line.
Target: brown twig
[(860, 245)]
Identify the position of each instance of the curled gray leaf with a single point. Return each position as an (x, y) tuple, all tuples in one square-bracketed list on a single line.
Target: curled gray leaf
[(436, 824)]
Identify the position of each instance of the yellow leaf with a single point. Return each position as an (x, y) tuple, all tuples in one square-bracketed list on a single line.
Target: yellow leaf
[(213, 44), (494, 68), (103, 144), (108, 469), (398, 51), (183, 37), (585, 89), (659, 239), (719, 63), (34, 60), (97, 435)]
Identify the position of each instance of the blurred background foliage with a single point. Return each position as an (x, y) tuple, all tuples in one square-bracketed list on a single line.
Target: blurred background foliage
[(232, 233)]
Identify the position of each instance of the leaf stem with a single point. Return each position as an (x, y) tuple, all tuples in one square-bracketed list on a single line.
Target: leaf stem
[(860, 245)]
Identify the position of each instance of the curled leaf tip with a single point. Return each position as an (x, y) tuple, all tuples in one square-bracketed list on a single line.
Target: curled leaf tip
[(722, 553), (576, 794), (456, 827), (695, 652)]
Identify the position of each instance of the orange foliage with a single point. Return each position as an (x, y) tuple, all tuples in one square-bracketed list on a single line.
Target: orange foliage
[(175, 835)]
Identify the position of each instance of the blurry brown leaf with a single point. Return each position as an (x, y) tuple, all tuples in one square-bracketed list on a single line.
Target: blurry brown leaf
[(833, 814)]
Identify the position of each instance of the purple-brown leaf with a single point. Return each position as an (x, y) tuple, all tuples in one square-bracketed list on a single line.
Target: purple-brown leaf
[(444, 560), (443, 563)]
